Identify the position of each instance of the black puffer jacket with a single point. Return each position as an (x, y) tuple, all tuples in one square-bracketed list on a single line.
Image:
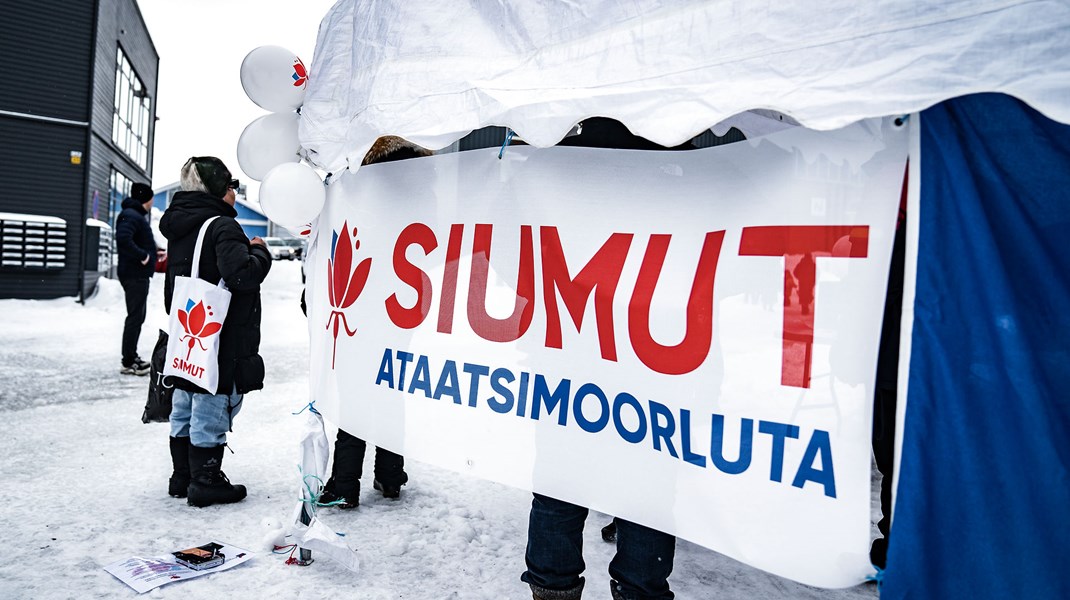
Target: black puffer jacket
[(133, 238), (226, 254)]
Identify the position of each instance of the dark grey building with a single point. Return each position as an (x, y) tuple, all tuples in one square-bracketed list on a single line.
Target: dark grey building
[(77, 116)]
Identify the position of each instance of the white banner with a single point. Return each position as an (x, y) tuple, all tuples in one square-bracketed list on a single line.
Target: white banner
[(683, 339)]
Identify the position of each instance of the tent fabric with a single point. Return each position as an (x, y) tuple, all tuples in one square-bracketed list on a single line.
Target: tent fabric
[(983, 507), (434, 70)]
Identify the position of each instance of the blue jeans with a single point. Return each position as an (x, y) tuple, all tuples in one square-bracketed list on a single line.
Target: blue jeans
[(204, 418), (554, 556)]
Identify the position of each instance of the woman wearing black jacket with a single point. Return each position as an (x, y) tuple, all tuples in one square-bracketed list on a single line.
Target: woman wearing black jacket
[(199, 420)]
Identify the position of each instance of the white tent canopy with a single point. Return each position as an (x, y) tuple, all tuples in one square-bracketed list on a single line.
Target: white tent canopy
[(433, 71)]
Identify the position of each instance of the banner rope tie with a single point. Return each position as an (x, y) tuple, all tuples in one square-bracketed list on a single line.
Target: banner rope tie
[(878, 577), (509, 133), (311, 407), (312, 498)]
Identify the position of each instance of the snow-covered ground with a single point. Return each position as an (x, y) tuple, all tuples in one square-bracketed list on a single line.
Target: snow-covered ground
[(84, 483)]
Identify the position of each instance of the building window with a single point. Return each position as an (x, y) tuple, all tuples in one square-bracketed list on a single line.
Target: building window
[(118, 190), (130, 124)]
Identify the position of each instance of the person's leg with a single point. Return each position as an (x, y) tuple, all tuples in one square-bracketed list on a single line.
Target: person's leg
[(181, 407), (212, 417), (181, 412), (640, 570), (346, 471), (884, 455), (389, 473), (136, 292), (178, 484), (554, 553)]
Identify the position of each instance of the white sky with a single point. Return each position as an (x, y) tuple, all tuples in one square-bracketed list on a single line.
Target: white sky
[(201, 106)]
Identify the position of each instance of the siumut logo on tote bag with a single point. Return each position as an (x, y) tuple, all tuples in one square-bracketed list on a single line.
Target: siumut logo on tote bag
[(194, 320)]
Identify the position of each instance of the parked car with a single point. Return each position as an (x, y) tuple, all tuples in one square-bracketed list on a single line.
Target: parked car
[(279, 249), (298, 246)]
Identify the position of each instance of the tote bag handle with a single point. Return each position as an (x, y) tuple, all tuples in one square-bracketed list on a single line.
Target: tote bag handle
[(195, 272)]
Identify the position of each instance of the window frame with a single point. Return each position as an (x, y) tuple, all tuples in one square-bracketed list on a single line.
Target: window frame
[(131, 111)]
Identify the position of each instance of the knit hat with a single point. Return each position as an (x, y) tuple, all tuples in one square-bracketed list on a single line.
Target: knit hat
[(213, 173), (141, 192)]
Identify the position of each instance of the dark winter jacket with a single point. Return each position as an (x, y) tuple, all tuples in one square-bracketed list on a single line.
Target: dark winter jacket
[(133, 238), (226, 254)]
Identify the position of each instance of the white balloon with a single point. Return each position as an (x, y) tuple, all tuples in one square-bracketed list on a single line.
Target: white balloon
[(292, 194), (274, 78), (267, 142), (302, 231)]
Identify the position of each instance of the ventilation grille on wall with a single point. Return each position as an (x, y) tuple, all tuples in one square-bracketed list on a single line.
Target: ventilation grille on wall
[(32, 241)]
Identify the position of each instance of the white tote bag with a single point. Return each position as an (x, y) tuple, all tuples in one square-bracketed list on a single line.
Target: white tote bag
[(198, 309)]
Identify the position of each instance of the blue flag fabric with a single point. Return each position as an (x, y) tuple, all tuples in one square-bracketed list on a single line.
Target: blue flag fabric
[(983, 508)]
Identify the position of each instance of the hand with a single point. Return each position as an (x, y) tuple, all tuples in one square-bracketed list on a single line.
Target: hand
[(258, 241), (161, 254), (145, 261)]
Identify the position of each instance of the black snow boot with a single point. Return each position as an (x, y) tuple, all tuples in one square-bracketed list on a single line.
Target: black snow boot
[(179, 481), (573, 593), (335, 494), (348, 466), (389, 473), (208, 484)]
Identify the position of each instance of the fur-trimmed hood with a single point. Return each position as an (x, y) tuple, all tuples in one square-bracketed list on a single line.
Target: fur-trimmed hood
[(390, 147)]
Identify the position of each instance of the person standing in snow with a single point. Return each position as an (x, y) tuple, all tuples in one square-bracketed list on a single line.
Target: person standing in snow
[(643, 561), (887, 383), (199, 420), (137, 262), (343, 486)]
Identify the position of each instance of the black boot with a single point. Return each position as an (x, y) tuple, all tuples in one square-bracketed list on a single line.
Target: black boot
[(609, 533), (334, 495), (179, 481), (208, 485), (348, 466), (573, 593), (389, 473)]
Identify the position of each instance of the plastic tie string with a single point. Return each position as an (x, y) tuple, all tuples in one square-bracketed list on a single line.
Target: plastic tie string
[(290, 549), (509, 133), (878, 577), (312, 498), (311, 407)]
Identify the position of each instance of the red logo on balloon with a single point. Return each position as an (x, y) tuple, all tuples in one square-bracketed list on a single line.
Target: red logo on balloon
[(344, 285), (299, 75)]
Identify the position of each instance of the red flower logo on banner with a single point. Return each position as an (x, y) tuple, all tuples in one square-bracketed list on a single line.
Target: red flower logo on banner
[(344, 285), (299, 75), (194, 320)]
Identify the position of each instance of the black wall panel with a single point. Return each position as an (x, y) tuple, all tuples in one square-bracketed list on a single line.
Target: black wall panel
[(63, 56), (39, 178), (48, 56)]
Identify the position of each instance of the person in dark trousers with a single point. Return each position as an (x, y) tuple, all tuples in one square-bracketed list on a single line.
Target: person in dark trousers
[(641, 567), (348, 467), (806, 271), (884, 401), (200, 420), (137, 262), (344, 484)]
